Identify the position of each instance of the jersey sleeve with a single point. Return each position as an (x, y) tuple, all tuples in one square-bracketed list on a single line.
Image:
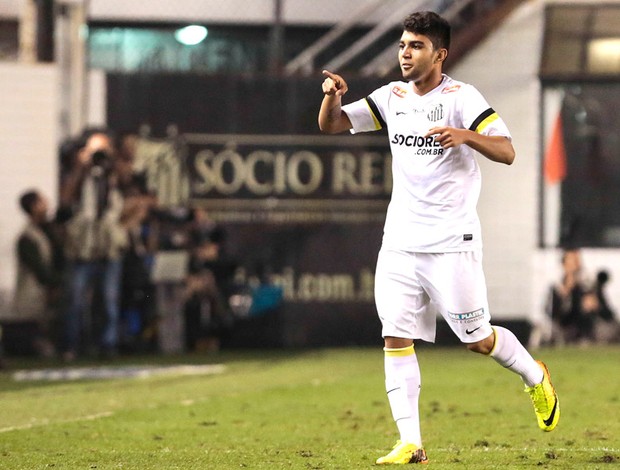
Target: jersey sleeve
[(479, 117), (365, 114)]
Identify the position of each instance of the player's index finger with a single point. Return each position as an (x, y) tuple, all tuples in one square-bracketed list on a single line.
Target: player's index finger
[(328, 74)]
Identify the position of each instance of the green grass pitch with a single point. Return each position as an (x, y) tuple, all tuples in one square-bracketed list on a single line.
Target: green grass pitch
[(317, 409)]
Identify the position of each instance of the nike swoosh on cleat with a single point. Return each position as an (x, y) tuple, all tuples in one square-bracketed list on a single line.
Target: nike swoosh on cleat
[(469, 332), (549, 420)]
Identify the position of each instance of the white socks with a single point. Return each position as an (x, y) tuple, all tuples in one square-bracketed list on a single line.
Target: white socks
[(511, 354), (402, 382)]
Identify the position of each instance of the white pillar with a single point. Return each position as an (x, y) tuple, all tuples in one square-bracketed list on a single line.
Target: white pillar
[(71, 47), (28, 31)]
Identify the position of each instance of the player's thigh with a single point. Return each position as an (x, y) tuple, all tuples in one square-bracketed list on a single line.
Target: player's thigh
[(399, 297), (457, 286)]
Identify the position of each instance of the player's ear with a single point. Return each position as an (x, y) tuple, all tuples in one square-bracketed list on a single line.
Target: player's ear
[(442, 54)]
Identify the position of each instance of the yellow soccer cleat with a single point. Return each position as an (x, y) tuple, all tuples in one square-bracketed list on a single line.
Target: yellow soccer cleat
[(545, 401), (404, 453)]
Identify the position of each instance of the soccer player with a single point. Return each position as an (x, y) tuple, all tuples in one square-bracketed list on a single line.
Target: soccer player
[(431, 260)]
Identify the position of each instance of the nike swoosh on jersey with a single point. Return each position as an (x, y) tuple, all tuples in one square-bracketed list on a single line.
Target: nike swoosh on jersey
[(469, 332)]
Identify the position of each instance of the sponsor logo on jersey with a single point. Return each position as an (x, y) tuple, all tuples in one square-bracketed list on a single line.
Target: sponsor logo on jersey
[(414, 141), (435, 114), (451, 88), (414, 111), (398, 91), (423, 145), (467, 317)]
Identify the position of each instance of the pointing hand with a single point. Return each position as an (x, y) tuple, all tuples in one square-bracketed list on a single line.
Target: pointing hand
[(334, 84)]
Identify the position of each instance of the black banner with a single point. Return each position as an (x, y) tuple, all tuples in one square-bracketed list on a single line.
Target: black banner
[(290, 179), (312, 208)]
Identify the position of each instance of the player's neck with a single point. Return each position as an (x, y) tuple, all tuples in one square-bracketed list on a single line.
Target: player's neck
[(428, 83)]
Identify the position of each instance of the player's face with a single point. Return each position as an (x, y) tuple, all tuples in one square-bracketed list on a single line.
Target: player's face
[(416, 56)]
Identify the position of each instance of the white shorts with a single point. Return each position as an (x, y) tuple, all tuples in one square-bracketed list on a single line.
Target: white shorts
[(411, 288)]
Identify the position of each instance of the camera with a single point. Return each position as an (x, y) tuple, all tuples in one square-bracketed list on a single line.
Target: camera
[(101, 160)]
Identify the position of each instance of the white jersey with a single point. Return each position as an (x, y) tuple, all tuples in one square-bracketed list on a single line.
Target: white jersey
[(435, 190)]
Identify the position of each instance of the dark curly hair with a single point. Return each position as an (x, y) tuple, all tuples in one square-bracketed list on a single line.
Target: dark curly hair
[(431, 25)]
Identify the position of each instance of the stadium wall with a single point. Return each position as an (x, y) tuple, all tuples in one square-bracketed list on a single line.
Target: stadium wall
[(28, 144), (504, 68)]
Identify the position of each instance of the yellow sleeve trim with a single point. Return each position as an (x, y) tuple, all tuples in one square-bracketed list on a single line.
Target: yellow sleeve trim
[(374, 118), (399, 352), (486, 122)]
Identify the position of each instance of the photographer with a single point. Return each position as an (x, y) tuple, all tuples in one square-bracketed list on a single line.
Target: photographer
[(95, 240)]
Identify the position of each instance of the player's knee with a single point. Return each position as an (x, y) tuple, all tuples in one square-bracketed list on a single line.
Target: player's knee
[(478, 348), (397, 343), (484, 346)]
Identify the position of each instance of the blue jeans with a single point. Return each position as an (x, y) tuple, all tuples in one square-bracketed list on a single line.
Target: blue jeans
[(83, 275)]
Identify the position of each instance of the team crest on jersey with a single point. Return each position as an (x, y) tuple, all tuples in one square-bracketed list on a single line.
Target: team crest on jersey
[(435, 114), (398, 91), (451, 89)]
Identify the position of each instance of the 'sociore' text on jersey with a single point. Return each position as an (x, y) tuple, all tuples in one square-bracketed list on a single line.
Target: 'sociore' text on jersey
[(425, 145)]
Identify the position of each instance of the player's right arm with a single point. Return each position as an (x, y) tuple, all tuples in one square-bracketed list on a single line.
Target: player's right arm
[(332, 119)]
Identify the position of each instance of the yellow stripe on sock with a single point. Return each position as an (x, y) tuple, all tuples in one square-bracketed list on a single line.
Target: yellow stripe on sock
[(399, 352)]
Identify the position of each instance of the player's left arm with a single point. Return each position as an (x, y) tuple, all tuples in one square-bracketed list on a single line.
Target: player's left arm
[(496, 148)]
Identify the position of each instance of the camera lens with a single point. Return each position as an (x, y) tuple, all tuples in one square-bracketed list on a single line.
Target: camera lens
[(100, 158)]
